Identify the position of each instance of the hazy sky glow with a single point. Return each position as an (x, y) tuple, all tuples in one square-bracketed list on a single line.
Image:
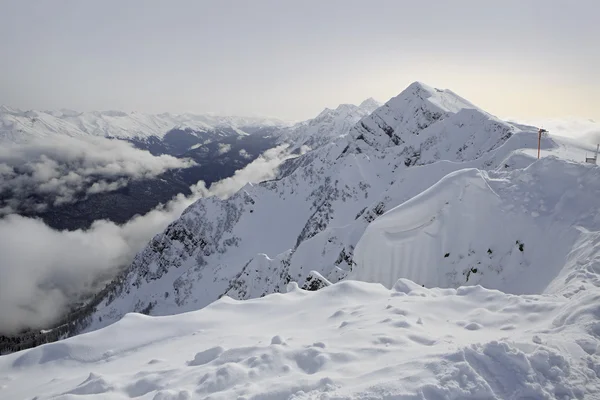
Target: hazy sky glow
[(290, 59)]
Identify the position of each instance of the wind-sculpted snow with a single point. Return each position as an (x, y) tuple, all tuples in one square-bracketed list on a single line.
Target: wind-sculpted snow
[(351, 340), (512, 231)]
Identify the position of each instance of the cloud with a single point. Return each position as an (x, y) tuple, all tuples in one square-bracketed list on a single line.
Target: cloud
[(224, 148), (64, 169), (585, 130), (44, 271), (262, 168), (104, 186), (245, 154)]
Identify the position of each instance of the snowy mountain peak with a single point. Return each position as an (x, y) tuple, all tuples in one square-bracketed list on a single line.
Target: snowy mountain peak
[(340, 111), (345, 107), (419, 94), (18, 126), (318, 208), (407, 115), (367, 107), (370, 104), (325, 127), (7, 109)]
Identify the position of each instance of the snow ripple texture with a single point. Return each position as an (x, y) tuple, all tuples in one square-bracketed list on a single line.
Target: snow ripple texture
[(351, 340)]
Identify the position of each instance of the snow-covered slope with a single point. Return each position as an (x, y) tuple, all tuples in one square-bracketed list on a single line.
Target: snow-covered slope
[(351, 341), (512, 231), (327, 126), (267, 235), (430, 123), (18, 126)]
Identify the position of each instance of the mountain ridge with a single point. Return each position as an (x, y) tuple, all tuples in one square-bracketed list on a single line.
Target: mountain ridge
[(210, 251), (17, 125)]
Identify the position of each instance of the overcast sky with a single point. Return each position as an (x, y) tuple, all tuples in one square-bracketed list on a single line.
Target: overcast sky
[(517, 58)]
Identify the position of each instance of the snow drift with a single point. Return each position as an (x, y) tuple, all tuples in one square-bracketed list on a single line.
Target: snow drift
[(352, 340), (508, 231)]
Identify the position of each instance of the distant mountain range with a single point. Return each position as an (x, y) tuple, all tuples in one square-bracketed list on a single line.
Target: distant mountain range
[(218, 146)]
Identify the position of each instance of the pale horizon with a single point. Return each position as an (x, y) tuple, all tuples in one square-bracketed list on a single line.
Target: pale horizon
[(291, 60)]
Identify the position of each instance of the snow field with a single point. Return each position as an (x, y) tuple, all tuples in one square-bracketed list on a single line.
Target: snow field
[(352, 340)]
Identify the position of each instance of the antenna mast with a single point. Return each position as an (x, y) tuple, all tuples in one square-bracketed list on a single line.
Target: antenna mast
[(593, 160), (540, 132)]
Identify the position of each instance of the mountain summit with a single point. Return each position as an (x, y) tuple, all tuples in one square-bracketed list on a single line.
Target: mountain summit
[(370, 104), (305, 225)]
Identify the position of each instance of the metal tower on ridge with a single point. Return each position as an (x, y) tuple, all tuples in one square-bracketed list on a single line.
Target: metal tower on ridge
[(593, 160), (540, 132)]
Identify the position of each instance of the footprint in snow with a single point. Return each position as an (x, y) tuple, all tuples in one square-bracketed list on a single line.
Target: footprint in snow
[(206, 356), (142, 386), (311, 360), (172, 395), (425, 341), (277, 340), (402, 324), (94, 384), (386, 341), (473, 326), (398, 311), (344, 324)]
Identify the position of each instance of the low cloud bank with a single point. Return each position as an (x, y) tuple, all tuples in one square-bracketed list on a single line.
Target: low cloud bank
[(585, 130), (44, 271), (261, 169), (63, 169)]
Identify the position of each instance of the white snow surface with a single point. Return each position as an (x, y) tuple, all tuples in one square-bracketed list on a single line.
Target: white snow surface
[(513, 231), (19, 126), (482, 266), (352, 340), (326, 127)]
